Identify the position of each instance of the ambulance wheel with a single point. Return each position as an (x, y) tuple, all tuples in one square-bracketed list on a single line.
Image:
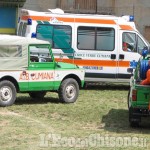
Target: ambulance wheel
[(39, 94), (7, 93), (134, 120), (68, 91)]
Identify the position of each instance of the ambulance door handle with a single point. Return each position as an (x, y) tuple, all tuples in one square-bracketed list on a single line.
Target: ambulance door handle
[(113, 56), (121, 56)]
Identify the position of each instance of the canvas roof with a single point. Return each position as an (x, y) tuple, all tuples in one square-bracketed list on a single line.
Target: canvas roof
[(9, 43), (12, 39)]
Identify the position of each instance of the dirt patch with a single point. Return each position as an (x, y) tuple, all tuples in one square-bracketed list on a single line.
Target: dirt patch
[(9, 113), (26, 118)]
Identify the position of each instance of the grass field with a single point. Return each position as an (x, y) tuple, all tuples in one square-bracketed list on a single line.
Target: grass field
[(98, 120)]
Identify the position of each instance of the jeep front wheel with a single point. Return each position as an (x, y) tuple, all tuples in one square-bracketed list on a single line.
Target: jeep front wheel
[(7, 93), (68, 91)]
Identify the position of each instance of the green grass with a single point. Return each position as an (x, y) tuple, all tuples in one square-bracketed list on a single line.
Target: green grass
[(99, 110)]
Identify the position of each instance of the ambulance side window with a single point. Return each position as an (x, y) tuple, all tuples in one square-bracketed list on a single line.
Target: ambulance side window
[(86, 38), (60, 36), (140, 45), (44, 32), (132, 42), (129, 42), (96, 38)]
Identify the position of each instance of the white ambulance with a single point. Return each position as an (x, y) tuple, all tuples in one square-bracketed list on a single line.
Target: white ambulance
[(104, 45)]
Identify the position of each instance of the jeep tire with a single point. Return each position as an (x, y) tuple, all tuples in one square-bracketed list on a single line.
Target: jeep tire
[(7, 93), (68, 91)]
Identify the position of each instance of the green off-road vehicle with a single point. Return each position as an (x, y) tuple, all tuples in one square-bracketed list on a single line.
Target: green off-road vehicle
[(27, 65), (139, 94)]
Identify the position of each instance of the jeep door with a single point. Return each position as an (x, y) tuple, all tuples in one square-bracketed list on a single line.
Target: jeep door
[(41, 68)]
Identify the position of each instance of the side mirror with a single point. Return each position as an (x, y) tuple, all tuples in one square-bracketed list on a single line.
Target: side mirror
[(130, 70)]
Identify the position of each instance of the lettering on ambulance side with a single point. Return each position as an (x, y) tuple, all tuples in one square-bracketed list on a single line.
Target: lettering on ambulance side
[(86, 55), (93, 67), (36, 76), (54, 20)]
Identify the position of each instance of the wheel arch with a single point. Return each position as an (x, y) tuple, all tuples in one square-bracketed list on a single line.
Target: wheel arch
[(11, 79), (73, 76)]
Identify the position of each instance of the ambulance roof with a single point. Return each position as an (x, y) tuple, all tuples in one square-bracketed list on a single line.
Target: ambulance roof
[(60, 17), (61, 13)]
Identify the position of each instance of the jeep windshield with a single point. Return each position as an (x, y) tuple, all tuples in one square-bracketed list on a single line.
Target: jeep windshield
[(40, 54)]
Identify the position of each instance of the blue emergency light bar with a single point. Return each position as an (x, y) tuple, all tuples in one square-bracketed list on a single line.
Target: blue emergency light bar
[(131, 18), (128, 18)]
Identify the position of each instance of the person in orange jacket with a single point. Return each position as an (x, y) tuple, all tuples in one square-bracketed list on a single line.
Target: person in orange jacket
[(147, 80)]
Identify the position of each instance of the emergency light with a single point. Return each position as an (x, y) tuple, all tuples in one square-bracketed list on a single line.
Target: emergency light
[(33, 35), (129, 18), (29, 21)]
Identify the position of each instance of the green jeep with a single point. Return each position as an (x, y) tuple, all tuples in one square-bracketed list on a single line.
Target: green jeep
[(28, 66), (139, 94)]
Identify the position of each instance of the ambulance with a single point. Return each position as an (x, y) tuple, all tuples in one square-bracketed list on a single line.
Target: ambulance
[(104, 45)]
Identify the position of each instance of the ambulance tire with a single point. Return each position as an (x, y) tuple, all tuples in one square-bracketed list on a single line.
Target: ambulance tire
[(38, 94), (68, 91), (7, 93)]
